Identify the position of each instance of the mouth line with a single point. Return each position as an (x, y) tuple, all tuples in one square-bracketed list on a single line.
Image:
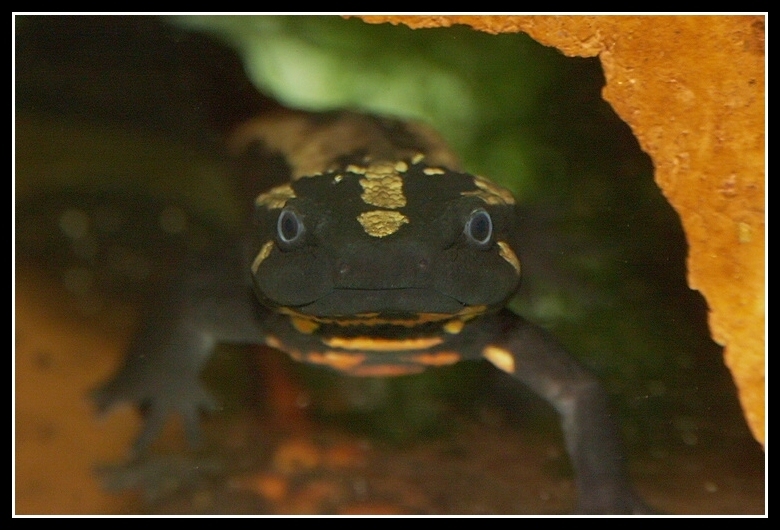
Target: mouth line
[(381, 289), (382, 301), (403, 318)]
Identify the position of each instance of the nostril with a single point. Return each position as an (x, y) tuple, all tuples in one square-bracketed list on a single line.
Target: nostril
[(344, 269), (423, 265)]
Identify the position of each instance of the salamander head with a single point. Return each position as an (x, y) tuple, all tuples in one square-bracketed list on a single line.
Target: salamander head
[(389, 239)]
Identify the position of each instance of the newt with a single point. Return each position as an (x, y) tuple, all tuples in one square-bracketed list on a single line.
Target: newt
[(376, 255)]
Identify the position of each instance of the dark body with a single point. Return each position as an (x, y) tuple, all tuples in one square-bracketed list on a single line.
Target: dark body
[(378, 257)]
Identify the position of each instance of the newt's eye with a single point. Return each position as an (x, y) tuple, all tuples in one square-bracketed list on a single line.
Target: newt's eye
[(479, 228), (289, 227)]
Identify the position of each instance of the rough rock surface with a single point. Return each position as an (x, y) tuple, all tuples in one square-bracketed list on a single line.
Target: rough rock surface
[(692, 88)]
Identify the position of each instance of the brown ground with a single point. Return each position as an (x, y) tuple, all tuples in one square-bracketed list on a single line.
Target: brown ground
[(262, 464)]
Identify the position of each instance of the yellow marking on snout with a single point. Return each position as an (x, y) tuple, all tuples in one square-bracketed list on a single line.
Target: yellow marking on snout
[(265, 251), (381, 223), (501, 358), (506, 252), (381, 344), (433, 171)]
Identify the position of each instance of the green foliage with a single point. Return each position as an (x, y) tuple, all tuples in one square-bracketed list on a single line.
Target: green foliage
[(476, 89)]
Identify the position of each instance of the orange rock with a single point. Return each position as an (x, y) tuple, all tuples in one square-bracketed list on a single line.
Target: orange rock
[(692, 88)]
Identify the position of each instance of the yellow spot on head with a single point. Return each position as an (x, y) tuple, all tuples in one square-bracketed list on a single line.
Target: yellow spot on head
[(501, 359), (358, 170), (381, 169), (382, 185), (265, 251), (505, 251), (381, 223), (490, 193), (275, 198), (385, 191), (433, 171)]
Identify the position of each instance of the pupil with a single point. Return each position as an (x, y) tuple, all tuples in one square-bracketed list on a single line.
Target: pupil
[(479, 228), (288, 227)]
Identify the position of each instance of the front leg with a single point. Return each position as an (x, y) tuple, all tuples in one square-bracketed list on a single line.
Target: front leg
[(207, 301), (160, 373), (589, 426)]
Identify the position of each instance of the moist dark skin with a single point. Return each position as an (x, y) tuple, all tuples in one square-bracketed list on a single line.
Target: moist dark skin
[(378, 257)]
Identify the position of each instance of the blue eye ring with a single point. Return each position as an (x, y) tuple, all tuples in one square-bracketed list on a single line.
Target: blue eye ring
[(479, 228), (289, 226)]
